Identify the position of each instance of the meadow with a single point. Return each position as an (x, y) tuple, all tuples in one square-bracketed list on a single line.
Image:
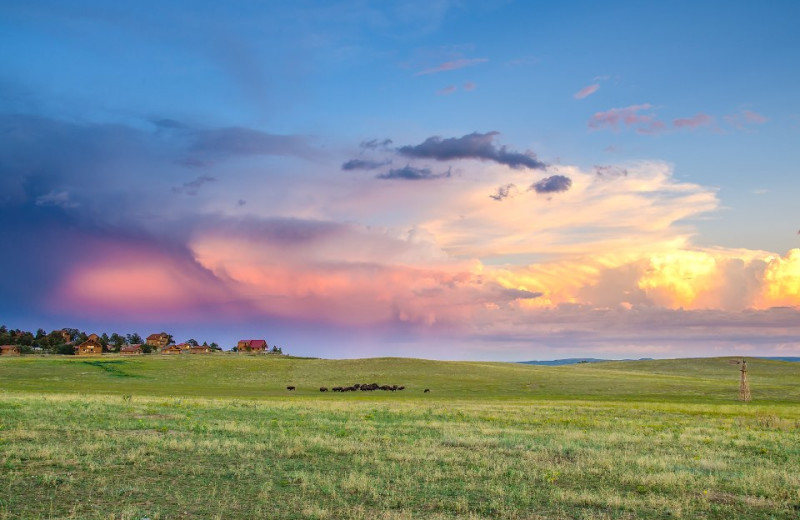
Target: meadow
[(220, 437)]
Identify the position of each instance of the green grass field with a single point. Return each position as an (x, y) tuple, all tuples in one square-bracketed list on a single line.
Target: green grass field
[(220, 437)]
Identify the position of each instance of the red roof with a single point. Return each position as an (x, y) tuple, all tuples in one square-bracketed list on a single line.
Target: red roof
[(7, 347), (256, 343)]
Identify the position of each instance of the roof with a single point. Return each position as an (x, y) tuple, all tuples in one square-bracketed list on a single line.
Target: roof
[(255, 343), (131, 348), (8, 347)]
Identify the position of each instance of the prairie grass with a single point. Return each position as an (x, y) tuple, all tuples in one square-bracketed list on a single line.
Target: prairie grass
[(104, 457), (169, 447)]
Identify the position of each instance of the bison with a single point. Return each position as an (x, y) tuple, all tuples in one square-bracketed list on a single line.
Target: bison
[(323, 389), (426, 391), (290, 388)]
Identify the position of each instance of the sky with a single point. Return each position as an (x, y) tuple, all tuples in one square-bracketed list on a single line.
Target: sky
[(488, 180)]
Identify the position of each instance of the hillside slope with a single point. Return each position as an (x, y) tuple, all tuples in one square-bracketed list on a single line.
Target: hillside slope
[(685, 380)]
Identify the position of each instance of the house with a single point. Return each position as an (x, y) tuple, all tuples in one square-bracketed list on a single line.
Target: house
[(185, 347), (172, 349), (131, 350), (159, 340), (91, 346), (252, 345), (202, 349), (9, 350)]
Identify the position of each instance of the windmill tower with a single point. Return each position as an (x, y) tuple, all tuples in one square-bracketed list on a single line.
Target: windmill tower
[(744, 386)]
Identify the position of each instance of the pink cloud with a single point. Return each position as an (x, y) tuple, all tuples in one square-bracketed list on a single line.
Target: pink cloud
[(586, 91), (744, 118), (754, 117), (651, 128), (451, 65), (614, 117), (469, 86), (138, 280), (446, 90), (699, 119)]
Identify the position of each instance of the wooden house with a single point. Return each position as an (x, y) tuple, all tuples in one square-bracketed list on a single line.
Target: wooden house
[(91, 346), (9, 350), (131, 350), (171, 350), (252, 345), (202, 349), (159, 340)]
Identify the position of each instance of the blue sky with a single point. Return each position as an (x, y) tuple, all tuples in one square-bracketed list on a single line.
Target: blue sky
[(194, 128)]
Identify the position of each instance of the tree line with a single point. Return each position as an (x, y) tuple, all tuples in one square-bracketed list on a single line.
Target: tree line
[(63, 341)]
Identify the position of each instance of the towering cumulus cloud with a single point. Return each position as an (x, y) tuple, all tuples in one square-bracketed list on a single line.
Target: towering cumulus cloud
[(471, 146)]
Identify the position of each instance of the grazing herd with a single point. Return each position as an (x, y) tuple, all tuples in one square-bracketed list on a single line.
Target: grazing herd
[(371, 387)]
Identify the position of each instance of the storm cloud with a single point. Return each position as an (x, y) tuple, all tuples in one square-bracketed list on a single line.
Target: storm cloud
[(364, 164), (410, 173), (503, 192), (374, 144), (191, 187), (552, 184), (472, 146), (247, 141)]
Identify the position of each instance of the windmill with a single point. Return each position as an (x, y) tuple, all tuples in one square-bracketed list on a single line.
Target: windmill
[(744, 386)]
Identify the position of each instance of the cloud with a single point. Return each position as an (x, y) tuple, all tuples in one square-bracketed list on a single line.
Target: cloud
[(374, 144), (247, 141), (364, 164), (451, 65), (552, 184), (754, 117), (56, 198), (627, 116), (167, 123), (651, 128), (610, 171), (699, 119), (446, 90), (503, 192), (744, 119), (471, 146), (586, 91), (191, 187), (411, 173), (469, 86)]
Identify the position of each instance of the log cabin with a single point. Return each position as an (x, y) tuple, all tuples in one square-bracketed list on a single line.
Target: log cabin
[(131, 350), (9, 350), (159, 340), (89, 347), (252, 345)]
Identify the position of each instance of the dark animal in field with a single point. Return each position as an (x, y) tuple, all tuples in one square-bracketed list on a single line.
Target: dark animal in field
[(357, 386), (401, 388), (385, 388), (427, 391), (337, 388), (290, 388), (323, 389), (394, 388)]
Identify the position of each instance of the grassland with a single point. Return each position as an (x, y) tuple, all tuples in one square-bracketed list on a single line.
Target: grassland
[(202, 437)]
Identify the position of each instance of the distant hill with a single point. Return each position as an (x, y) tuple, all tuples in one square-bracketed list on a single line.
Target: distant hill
[(572, 361), (266, 377)]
